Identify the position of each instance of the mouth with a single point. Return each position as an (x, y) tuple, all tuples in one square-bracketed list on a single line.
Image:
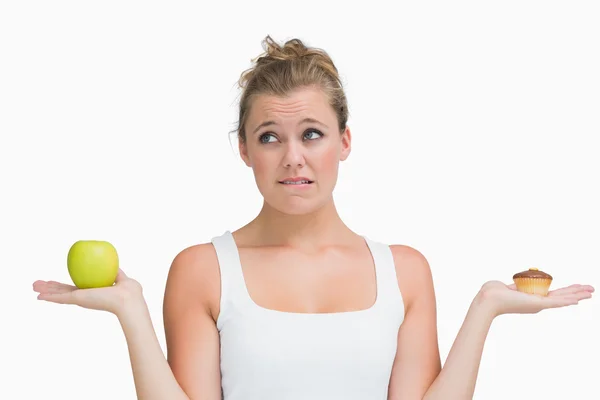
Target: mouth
[(296, 182)]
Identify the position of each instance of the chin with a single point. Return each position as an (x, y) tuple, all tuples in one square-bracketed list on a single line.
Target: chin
[(288, 203), (295, 205)]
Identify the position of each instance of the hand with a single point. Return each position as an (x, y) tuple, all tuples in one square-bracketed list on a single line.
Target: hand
[(505, 299), (112, 298)]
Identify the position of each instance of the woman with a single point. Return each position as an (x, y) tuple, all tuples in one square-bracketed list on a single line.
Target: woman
[(295, 305)]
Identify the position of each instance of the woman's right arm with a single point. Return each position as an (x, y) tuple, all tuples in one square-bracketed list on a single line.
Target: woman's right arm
[(191, 371), (190, 308)]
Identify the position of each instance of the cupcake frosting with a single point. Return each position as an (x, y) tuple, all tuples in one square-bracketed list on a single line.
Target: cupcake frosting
[(532, 273)]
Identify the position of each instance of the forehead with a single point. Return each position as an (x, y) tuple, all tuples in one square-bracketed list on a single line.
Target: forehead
[(299, 104)]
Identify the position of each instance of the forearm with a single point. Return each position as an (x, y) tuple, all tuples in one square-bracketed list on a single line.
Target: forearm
[(152, 374), (458, 376)]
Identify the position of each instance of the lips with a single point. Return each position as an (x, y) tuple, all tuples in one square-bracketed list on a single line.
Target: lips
[(297, 180)]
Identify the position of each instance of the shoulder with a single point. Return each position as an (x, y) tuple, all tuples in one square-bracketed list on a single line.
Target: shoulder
[(191, 334), (193, 258), (193, 263), (409, 258), (193, 279), (413, 272)]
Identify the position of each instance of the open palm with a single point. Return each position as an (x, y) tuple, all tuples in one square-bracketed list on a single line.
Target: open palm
[(109, 298), (507, 300)]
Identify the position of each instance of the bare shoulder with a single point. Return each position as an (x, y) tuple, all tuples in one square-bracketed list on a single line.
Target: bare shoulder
[(417, 361), (194, 278), (194, 259), (413, 271), (192, 338)]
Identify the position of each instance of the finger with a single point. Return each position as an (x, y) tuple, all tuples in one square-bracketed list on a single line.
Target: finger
[(588, 288), (583, 295), (40, 285), (63, 285), (512, 286), (556, 302), (565, 290), (565, 300), (572, 289), (52, 287), (60, 298)]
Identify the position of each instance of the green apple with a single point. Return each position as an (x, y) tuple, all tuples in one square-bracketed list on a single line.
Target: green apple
[(92, 264)]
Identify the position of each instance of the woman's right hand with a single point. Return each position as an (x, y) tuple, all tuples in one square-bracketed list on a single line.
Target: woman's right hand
[(112, 298)]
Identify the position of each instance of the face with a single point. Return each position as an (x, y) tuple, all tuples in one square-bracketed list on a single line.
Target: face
[(291, 138)]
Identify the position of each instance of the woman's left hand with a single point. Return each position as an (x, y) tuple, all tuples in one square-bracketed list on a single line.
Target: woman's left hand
[(505, 299)]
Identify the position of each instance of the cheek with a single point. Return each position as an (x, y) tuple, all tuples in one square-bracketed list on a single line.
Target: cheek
[(262, 166), (328, 160)]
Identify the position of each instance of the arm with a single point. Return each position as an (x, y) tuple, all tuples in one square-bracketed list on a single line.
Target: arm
[(417, 361), (192, 369), (459, 375), (417, 372), (151, 373), (190, 310)]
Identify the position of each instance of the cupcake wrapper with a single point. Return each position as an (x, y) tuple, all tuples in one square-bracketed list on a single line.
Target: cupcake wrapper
[(538, 286)]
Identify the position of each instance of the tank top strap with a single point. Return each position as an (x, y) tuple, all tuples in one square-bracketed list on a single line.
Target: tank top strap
[(388, 292), (233, 286)]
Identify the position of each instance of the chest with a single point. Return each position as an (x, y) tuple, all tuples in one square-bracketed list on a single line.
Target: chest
[(333, 281), (309, 356)]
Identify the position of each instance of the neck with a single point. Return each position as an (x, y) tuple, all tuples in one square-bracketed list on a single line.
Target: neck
[(313, 230)]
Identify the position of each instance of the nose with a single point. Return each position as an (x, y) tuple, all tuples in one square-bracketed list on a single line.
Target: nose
[(294, 155)]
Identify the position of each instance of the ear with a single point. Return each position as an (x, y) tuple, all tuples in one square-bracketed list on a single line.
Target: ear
[(346, 144), (243, 147)]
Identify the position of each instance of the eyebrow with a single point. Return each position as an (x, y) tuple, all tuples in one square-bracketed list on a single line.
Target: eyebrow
[(305, 120)]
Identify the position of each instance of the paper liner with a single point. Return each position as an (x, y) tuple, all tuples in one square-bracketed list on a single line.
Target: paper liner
[(538, 286)]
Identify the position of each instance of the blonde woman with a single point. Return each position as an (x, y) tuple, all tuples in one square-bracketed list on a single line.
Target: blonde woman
[(295, 305)]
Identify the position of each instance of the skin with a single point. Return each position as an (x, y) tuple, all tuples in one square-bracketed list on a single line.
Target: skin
[(303, 228)]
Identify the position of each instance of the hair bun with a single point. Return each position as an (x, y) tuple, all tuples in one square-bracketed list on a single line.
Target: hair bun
[(292, 49)]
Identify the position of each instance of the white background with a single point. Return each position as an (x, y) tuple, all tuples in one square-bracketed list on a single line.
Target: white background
[(475, 124)]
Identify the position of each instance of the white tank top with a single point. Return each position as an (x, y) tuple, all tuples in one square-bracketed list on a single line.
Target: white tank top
[(276, 355)]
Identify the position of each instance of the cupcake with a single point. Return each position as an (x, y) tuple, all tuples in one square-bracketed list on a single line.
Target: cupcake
[(533, 281)]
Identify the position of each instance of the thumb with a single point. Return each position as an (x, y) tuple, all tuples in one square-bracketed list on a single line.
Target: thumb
[(121, 276)]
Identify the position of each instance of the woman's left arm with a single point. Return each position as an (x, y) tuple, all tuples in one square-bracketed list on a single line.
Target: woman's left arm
[(417, 361), (416, 374)]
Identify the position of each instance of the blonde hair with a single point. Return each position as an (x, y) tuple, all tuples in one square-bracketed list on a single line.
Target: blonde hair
[(282, 69)]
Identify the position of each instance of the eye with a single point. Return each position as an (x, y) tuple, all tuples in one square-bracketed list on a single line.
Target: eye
[(264, 138), (307, 134)]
